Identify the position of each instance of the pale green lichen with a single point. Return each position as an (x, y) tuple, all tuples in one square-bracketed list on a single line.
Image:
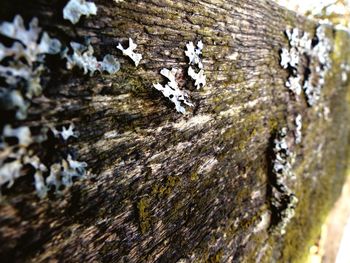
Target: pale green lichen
[(283, 198), (318, 57), (21, 75), (74, 9), (25, 63), (13, 158), (83, 57)]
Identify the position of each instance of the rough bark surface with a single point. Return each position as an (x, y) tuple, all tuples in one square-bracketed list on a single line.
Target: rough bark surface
[(165, 187)]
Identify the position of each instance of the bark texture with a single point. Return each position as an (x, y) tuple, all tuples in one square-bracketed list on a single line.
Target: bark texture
[(166, 187)]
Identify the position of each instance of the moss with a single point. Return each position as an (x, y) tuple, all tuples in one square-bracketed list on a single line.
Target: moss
[(144, 214), (215, 258), (194, 176), (161, 191)]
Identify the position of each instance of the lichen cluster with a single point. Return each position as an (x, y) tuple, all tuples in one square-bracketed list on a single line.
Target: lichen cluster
[(21, 69), (195, 71), (136, 57), (172, 91), (283, 200), (83, 57), (74, 9), (16, 158), (310, 75), (194, 57), (24, 64)]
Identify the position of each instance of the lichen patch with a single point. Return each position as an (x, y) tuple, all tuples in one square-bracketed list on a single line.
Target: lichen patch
[(172, 91), (74, 9)]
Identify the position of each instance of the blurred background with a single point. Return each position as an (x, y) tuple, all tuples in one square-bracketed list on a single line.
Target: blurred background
[(336, 11), (333, 245)]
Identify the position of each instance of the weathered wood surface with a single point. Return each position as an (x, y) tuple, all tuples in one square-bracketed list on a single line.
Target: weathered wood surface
[(166, 187)]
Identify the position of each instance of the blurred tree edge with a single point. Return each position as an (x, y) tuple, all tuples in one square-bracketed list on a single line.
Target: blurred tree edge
[(167, 187)]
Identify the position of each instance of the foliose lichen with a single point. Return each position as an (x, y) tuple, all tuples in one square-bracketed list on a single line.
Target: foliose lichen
[(320, 62), (65, 133), (298, 127), (25, 64), (345, 69), (316, 51), (194, 56), (21, 67), (83, 57), (15, 157), (283, 198), (172, 91), (136, 57), (74, 9)]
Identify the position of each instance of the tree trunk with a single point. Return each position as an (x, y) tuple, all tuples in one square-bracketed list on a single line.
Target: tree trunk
[(169, 187)]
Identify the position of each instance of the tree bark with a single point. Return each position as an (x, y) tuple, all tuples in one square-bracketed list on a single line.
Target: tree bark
[(167, 187)]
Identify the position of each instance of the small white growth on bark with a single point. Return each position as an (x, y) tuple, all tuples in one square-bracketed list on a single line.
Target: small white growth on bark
[(199, 78), (74, 9), (172, 91), (83, 57), (281, 163), (22, 134), (194, 56), (136, 57), (264, 223), (72, 169), (293, 83), (62, 174), (345, 69), (298, 127), (65, 133), (14, 157)]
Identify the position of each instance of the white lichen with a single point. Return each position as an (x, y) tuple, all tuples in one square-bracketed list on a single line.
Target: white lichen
[(65, 133), (345, 69), (72, 169), (15, 156), (21, 77), (264, 222), (83, 57), (199, 78), (62, 174), (25, 60), (287, 214), (22, 134), (317, 57), (298, 127), (194, 56), (293, 83), (320, 55), (136, 57), (172, 91), (283, 198), (74, 9), (281, 164)]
